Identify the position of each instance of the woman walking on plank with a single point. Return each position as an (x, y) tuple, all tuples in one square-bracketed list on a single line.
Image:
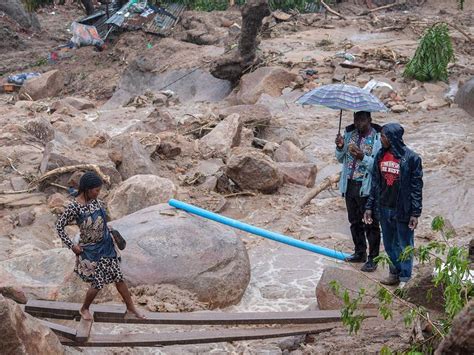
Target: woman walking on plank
[(97, 258)]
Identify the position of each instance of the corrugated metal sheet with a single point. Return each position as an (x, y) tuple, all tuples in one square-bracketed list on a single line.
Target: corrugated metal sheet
[(163, 23)]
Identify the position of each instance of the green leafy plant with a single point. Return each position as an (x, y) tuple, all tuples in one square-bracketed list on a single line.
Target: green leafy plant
[(32, 5), (451, 273), (432, 56)]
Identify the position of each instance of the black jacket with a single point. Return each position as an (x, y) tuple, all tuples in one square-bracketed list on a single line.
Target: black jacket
[(409, 200)]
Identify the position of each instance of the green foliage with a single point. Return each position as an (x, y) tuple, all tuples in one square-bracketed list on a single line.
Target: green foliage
[(385, 350), (451, 274), (432, 56), (32, 5), (221, 5)]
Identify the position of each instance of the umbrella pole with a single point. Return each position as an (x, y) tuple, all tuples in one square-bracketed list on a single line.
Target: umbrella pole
[(340, 121)]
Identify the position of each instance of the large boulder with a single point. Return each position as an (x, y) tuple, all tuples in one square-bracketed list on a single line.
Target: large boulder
[(16, 10), (251, 169), (46, 275), (218, 142), (289, 152), (138, 192), (348, 279), (265, 80), (460, 340), (58, 154), (465, 97), (79, 103), (167, 246), (298, 173), (48, 84), (23, 334)]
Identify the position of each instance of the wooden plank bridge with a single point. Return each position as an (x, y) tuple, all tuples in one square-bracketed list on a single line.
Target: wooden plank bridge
[(284, 324)]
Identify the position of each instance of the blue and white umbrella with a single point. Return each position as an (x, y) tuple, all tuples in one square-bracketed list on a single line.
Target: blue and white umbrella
[(343, 97)]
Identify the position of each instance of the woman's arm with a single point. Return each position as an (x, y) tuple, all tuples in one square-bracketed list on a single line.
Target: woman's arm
[(66, 218)]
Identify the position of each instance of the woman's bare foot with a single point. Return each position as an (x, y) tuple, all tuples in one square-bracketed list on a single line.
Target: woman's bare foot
[(85, 314), (136, 313)]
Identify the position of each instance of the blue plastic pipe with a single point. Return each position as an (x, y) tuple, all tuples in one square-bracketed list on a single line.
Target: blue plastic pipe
[(257, 231)]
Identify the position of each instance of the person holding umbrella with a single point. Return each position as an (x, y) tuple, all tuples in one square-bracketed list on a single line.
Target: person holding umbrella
[(356, 151)]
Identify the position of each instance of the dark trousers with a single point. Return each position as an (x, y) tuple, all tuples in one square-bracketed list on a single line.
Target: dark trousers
[(396, 237), (360, 231)]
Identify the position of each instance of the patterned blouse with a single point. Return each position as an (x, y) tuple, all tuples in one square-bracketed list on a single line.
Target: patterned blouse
[(90, 232)]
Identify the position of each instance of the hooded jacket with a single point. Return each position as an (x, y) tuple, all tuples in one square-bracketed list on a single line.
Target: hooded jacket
[(409, 199)]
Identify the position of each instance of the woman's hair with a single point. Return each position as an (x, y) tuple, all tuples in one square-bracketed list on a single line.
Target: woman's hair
[(90, 180)]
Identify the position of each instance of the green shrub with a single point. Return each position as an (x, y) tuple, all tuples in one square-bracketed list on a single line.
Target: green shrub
[(432, 56)]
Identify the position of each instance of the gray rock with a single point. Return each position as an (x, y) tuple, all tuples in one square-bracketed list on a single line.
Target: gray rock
[(169, 246), (16, 10), (218, 142), (138, 192), (18, 183), (26, 218), (79, 103), (268, 80), (135, 159), (251, 169), (299, 173), (421, 291), (465, 97), (289, 152)]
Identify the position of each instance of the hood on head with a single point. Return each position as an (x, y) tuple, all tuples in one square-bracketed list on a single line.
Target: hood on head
[(394, 133)]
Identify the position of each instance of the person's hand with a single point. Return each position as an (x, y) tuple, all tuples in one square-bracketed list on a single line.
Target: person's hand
[(368, 217), (413, 223), (356, 152), (77, 249), (339, 141)]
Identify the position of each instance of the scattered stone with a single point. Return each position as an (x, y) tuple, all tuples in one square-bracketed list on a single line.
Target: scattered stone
[(22, 200), (265, 80), (433, 104), (116, 157), (246, 137), (298, 173), (250, 115), (160, 120), (253, 170), (289, 152), (436, 89), (79, 103), (348, 279), (226, 135), (270, 148), (460, 339), (465, 97), (194, 254), (150, 141), (95, 140), (398, 108), (57, 203), (40, 128), (138, 192), (63, 108), (135, 159), (23, 334), (18, 183), (48, 84), (26, 218)]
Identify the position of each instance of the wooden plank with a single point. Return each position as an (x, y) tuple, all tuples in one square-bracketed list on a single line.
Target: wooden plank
[(84, 329), (69, 309), (212, 336), (64, 331), (308, 317)]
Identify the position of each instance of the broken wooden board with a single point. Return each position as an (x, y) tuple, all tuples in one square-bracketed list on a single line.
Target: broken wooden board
[(62, 330), (182, 338)]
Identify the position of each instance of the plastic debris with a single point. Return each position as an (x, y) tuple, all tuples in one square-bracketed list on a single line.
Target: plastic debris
[(346, 55), (372, 84), (19, 79), (83, 35)]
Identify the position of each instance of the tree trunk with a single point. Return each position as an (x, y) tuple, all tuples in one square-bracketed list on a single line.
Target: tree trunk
[(88, 6), (231, 66)]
